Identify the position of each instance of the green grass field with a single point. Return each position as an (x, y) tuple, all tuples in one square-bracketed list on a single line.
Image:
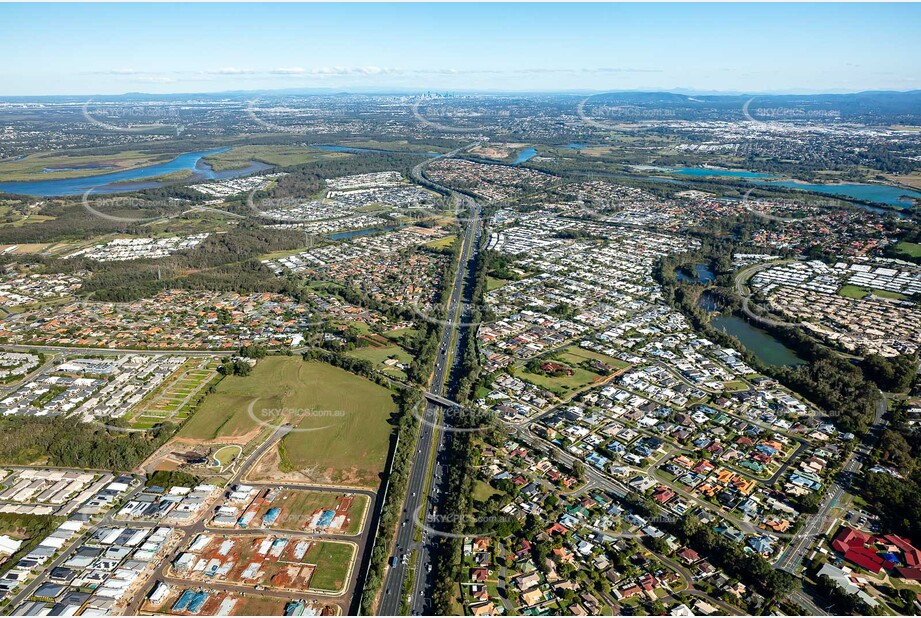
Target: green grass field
[(350, 415), (492, 283), (563, 385), (401, 335), (853, 291), (240, 156), (910, 249), (333, 561), (441, 243), (378, 355), (483, 491), (575, 355)]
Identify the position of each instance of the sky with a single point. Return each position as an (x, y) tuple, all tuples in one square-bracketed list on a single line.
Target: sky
[(87, 49)]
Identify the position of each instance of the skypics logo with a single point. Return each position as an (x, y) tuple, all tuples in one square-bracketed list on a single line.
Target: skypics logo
[(438, 126), (259, 115), (140, 112), (97, 206), (451, 419), (455, 525), (291, 418)]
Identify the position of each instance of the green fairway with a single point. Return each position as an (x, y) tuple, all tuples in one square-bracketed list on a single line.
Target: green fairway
[(333, 561)]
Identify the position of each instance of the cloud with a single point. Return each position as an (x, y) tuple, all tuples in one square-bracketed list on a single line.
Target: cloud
[(118, 72), (287, 71), (232, 71), (153, 79), (359, 72)]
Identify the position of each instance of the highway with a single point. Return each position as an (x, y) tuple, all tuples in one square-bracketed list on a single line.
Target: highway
[(413, 558)]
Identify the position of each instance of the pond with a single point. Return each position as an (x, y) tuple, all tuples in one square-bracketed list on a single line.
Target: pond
[(525, 155), (701, 274), (767, 348)]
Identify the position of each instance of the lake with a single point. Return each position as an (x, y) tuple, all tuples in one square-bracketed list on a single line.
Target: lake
[(759, 342), (525, 155), (701, 274), (880, 194), (131, 180), (705, 171)]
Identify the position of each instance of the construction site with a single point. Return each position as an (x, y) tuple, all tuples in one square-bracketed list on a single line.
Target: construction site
[(272, 562)]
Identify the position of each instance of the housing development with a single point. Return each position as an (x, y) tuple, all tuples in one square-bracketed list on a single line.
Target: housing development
[(434, 351)]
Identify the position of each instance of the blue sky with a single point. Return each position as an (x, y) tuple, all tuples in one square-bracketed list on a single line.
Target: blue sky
[(87, 49)]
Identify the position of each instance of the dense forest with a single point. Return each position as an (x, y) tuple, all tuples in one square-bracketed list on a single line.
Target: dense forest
[(222, 262), (59, 441)]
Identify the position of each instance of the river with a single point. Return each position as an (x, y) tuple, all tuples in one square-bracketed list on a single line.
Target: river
[(133, 179)]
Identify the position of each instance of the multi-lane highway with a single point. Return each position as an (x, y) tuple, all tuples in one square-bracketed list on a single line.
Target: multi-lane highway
[(413, 557)]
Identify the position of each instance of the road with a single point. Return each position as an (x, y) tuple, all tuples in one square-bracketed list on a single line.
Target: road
[(161, 572), (26, 592), (792, 558), (740, 282), (414, 557)]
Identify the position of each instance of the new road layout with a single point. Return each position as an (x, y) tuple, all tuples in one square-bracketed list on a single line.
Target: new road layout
[(409, 556)]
